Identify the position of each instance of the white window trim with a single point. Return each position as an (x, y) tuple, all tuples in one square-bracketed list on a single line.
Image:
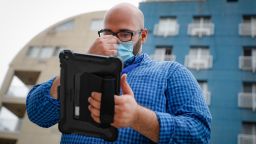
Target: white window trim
[(245, 59), (160, 55), (168, 32), (201, 28), (248, 28), (245, 98), (39, 55), (198, 61)]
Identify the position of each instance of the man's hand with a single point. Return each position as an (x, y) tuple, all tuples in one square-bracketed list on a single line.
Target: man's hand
[(128, 113), (105, 45), (126, 107), (54, 88)]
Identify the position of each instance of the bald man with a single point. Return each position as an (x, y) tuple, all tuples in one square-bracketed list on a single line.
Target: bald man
[(161, 102)]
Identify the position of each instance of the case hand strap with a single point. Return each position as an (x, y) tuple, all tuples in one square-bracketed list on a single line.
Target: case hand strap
[(107, 102)]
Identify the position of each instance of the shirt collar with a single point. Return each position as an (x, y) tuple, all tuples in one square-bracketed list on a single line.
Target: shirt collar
[(140, 58)]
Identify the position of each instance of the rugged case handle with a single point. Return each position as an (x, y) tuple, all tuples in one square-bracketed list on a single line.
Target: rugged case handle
[(107, 102)]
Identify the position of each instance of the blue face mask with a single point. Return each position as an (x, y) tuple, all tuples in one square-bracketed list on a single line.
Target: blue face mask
[(125, 50)]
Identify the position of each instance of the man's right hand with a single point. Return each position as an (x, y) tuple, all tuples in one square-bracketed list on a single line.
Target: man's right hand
[(54, 88), (105, 45)]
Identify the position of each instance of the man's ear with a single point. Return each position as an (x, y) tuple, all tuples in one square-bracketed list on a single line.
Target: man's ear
[(144, 35)]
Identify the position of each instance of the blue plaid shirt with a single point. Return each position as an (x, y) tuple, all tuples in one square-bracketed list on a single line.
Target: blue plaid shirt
[(167, 88)]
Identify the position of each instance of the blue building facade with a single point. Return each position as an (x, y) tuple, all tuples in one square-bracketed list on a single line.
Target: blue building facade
[(216, 40)]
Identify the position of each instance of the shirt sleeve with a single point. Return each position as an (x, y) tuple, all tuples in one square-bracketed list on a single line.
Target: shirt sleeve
[(187, 119), (42, 109)]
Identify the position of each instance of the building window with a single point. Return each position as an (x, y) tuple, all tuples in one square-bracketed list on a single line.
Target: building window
[(207, 95), (167, 26), (46, 52), (248, 26), (163, 53), (96, 24), (248, 60), (198, 58), (248, 133), (43, 52), (201, 26), (33, 52), (247, 98), (58, 50), (68, 25)]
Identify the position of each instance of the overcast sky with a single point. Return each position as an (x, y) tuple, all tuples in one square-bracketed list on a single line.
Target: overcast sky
[(21, 20)]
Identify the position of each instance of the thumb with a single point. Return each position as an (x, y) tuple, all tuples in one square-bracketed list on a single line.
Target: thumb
[(125, 86)]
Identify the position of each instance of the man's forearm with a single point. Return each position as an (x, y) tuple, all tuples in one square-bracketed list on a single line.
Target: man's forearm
[(147, 124)]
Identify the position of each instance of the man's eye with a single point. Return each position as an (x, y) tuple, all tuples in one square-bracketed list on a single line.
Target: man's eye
[(125, 34), (107, 33)]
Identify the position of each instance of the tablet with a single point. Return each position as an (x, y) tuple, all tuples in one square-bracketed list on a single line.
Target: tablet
[(82, 74)]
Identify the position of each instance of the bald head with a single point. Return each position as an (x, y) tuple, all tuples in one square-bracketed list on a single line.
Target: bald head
[(125, 12)]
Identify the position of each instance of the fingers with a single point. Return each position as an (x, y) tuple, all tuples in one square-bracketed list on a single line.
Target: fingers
[(110, 39), (54, 87), (105, 45), (95, 114), (110, 50), (95, 100), (94, 106)]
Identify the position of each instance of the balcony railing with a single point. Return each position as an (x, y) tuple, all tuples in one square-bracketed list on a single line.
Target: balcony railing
[(195, 62), (247, 100), (10, 125), (246, 139), (18, 91), (158, 31), (247, 29), (207, 96), (247, 63), (201, 29), (163, 57)]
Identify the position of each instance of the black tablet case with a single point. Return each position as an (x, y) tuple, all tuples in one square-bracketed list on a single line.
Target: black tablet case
[(80, 75)]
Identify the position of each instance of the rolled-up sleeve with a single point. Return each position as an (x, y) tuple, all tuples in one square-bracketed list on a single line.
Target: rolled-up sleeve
[(187, 119), (42, 109)]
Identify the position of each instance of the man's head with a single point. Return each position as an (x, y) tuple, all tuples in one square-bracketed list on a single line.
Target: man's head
[(125, 16)]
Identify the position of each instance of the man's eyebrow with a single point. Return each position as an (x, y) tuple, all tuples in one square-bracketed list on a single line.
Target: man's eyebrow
[(107, 29), (125, 30)]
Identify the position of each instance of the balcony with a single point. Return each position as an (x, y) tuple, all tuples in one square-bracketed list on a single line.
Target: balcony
[(247, 100), (247, 29), (172, 30), (195, 62), (201, 29), (246, 139), (15, 99), (207, 96), (247, 63), (163, 57), (10, 126), (18, 91)]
